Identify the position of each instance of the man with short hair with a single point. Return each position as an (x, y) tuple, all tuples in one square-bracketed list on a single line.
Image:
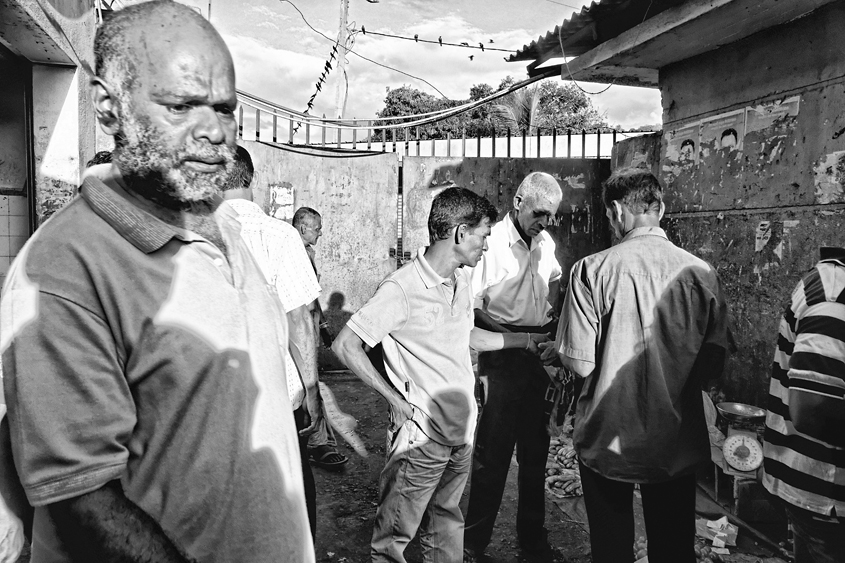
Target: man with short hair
[(422, 315), (645, 323), (803, 463), (275, 246), (518, 279), (141, 345), (322, 444)]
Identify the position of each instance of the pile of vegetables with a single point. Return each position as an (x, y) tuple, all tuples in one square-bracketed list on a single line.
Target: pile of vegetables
[(562, 476)]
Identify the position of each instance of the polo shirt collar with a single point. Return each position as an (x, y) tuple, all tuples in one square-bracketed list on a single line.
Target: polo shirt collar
[(832, 254), (143, 230), (429, 277), (643, 232), (514, 237)]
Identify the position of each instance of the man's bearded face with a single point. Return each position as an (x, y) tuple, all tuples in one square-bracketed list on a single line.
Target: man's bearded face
[(157, 170)]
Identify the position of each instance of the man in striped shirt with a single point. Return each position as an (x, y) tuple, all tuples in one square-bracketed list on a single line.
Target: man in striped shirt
[(804, 452)]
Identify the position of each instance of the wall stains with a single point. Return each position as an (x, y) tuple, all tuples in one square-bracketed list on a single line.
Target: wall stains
[(829, 177)]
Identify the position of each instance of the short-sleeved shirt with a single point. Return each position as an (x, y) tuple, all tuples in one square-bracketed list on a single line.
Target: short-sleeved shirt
[(138, 351), (810, 356), (641, 311), (277, 248), (423, 322), (513, 279)]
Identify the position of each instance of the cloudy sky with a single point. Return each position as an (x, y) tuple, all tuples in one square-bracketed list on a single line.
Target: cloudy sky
[(280, 59)]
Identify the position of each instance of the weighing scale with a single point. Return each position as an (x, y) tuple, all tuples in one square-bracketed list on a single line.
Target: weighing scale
[(742, 449)]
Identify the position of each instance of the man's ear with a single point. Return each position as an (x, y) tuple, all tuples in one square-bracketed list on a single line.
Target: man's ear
[(662, 211), (517, 201), (460, 233), (617, 211), (106, 107)]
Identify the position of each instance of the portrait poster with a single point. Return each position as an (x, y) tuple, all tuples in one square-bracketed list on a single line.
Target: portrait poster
[(723, 132), (682, 145), (763, 116)]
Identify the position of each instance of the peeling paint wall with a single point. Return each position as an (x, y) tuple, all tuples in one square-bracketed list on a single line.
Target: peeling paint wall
[(759, 206), (581, 227)]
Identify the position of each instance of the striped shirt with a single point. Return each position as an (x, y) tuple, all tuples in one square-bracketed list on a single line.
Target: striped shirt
[(810, 356)]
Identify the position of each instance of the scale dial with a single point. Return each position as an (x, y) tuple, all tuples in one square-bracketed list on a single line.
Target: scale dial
[(742, 452)]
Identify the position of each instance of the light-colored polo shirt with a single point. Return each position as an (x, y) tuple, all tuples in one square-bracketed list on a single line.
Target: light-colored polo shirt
[(278, 249), (512, 279), (641, 312), (138, 351), (423, 322)]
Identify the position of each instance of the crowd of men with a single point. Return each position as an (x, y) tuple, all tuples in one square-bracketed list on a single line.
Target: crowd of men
[(159, 342)]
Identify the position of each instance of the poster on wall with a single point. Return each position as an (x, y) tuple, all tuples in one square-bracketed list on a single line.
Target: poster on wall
[(723, 132), (682, 145), (763, 116)]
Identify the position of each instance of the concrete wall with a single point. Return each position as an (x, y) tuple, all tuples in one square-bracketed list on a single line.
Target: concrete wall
[(758, 212), (357, 197)]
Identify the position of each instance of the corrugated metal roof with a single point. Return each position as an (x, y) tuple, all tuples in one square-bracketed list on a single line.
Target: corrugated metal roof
[(590, 27)]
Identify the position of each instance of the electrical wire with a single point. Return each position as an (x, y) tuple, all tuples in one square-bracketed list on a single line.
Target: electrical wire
[(563, 54), (438, 42), (362, 56)]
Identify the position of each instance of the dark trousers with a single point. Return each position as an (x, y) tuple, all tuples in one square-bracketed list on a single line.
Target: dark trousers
[(513, 414), (669, 510), (300, 416), (816, 539)]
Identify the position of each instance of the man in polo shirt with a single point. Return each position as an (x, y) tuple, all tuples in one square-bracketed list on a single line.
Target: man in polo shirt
[(645, 323), (141, 346), (804, 465), (422, 315), (518, 280)]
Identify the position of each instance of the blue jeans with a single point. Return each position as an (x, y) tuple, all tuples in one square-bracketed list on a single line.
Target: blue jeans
[(419, 488), (814, 539)]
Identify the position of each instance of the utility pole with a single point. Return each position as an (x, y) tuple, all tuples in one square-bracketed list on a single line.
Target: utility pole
[(342, 38)]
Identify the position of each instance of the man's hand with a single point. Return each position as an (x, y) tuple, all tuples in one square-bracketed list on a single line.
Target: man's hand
[(401, 411), (314, 405), (534, 341), (548, 352)]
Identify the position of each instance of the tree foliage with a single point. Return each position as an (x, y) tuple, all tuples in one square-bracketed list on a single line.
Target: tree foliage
[(549, 104)]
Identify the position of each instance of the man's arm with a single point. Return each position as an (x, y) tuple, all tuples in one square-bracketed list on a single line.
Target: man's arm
[(818, 416), (302, 336), (349, 348), (554, 296), (582, 368), (486, 322), (486, 341), (14, 509), (104, 525)]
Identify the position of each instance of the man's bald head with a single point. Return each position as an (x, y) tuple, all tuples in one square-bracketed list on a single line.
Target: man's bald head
[(539, 185), (142, 34)]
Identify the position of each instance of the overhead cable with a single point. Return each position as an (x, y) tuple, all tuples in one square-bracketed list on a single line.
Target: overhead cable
[(358, 54), (465, 45)]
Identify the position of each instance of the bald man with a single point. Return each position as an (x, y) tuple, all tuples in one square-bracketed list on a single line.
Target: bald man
[(142, 352), (518, 279)]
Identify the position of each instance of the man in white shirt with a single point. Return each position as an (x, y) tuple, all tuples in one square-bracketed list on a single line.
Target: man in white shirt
[(518, 280), (277, 249)]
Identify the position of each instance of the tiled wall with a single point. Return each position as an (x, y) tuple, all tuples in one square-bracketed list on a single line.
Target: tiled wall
[(14, 230)]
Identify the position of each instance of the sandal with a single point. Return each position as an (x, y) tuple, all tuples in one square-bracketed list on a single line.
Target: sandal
[(327, 458)]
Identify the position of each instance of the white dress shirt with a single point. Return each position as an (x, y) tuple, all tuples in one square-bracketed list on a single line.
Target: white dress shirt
[(511, 281)]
